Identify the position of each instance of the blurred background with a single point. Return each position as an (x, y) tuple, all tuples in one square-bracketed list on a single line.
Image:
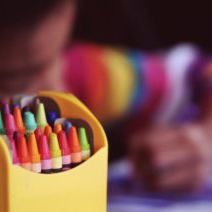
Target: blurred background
[(150, 27), (147, 25)]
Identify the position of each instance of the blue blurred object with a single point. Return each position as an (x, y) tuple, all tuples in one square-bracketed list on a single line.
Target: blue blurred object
[(67, 126), (51, 117), (136, 59)]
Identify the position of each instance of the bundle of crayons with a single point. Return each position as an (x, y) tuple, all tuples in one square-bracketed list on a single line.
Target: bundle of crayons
[(41, 142)]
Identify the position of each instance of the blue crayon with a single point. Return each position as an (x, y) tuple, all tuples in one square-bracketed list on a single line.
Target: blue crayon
[(68, 125), (51, 117)]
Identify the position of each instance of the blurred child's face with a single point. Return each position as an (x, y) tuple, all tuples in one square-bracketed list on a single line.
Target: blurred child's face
[(29, 53)]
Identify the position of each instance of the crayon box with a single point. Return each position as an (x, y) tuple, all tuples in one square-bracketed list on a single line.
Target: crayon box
[(82, 189)]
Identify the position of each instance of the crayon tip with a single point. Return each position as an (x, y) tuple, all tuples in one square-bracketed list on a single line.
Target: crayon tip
[(44, 148), (16, 100), (10, 127), (23, 152), (67, 126), (6, 108), (54, 146), (29, 121), (19, 121), (63, 143), (47, 131), (41, 116), (33, 148), (83, 139), (74, 140), (51, 117), (57, 128), (2, 130)]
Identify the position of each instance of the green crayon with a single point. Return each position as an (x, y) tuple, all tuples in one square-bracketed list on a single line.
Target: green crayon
[(85, 146), (41, 116), (29, 121)]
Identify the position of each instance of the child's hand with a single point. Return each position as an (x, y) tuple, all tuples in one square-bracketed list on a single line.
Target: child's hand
[(172, 159)]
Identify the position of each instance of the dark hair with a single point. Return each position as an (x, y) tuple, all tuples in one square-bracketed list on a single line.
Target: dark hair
[(25, 12)]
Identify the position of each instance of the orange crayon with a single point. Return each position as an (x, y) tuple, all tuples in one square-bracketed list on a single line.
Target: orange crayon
[(57, 128), (23, 153), (19, 121), (34, 154), (75, 148), (47, 132)]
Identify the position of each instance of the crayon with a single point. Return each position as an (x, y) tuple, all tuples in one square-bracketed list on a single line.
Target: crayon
[(85, 146), (57, 128), (19, 121), (15, 106), (30, 123), (38, 133), (45, 155), (2, 130), (23, 153), (41, 116), (75, 148), (6, 108), (66, 154), (14, 153), (55, 154), (51, 117), (47, 132), (16, 100), (10, 127), (34, 154), (67, 126)]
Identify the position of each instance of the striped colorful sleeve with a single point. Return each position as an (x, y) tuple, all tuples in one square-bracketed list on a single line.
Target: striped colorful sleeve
[(119, 82), (115, 82)]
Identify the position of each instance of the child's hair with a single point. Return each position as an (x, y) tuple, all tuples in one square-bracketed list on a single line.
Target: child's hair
[(25, 12)]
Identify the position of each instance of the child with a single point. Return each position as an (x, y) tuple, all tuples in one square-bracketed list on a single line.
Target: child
[(32, 41)]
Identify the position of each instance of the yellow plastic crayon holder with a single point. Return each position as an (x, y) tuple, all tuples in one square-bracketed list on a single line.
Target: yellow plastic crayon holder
[(82, 189)]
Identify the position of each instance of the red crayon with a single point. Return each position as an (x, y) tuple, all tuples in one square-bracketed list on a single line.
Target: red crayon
[(66, 154), (10, 126), (45, 155), (38, 133), (23, 153)]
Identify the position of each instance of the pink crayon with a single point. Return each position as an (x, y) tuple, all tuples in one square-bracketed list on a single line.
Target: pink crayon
[(6, 108), (10, 127)]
